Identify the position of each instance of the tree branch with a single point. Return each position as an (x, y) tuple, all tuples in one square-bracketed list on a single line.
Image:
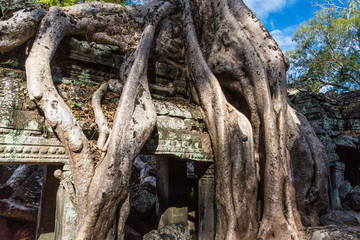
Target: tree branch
[(134, 121), (114, 86), (54, 26), (232, 140), (83, 19), (19, 28), (100, 118)]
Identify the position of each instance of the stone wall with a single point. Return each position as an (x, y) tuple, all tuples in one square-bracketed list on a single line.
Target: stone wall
[(25, 137), (336, 120)]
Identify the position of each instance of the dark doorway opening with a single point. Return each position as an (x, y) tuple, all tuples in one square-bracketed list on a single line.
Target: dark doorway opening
[(351, 158)]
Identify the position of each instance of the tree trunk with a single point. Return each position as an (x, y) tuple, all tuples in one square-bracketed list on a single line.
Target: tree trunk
[(237, 74)]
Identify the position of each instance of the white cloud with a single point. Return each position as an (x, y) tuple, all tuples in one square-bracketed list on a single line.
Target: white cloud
[(262, 8), (283, 37)]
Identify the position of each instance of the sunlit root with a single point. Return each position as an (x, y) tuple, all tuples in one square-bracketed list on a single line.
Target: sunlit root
[(19, 28), (309, 157), (134, 121), (232, 141), (100, 119)]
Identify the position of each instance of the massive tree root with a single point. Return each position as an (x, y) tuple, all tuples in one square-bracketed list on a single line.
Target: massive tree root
[(256, 75), (100, 190), (231, 135), (19, 28), (308, 155), (236, 74)]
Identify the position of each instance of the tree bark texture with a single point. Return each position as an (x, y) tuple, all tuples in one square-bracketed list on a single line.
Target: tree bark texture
[(237, 74)]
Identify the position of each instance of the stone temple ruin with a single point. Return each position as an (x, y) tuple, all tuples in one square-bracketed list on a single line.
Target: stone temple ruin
[(336, 121), (180, 145), (172, 180)]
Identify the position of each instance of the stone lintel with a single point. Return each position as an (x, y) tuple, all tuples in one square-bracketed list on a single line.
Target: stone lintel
[(25, 138), (180, 132)]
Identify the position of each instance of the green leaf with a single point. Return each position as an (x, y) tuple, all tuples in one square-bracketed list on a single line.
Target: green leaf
[(327, 51), (77, 117), (75, 104), (8, 62)]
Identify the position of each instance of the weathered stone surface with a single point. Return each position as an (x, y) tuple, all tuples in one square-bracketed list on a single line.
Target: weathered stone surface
[(180, 129), (317, 235), (9, 90), (337, 117), (332, 233), (350, 105), (28, 193), (175, 136), (149, 184), (76, 93), (339, 218), (47, 236), (336, 121), (344, 190), (13, 210), (143, 167), (169, 232), (153, 235), (352, 200), (29, 146), (206, 205), (78, 62), (167, 71), (5, 191), (9, 6), (25, 138), (143, 203)]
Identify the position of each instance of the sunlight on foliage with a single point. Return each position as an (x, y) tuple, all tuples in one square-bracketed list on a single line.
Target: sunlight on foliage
[(63, 3), (327, 54)]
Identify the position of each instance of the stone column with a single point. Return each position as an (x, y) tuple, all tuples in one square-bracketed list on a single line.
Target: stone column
[(46, 215), (171, 189), (337, 170), (66, 216), (206, 215)]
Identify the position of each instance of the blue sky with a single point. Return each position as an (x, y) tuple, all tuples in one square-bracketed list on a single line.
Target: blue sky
[(282, 17)]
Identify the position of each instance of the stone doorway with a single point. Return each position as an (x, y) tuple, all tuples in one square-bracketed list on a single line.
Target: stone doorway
[(351, 158), (186, 194)]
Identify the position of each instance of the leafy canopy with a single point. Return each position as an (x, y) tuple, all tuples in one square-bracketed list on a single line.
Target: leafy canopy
[(73, 2), (327, 54)]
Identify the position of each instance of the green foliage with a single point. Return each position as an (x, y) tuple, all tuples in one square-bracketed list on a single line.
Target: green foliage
[(192, 191), (84, 77), (10, 62), (77, 117), (327, 52), (63, 3), (75, 104)]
